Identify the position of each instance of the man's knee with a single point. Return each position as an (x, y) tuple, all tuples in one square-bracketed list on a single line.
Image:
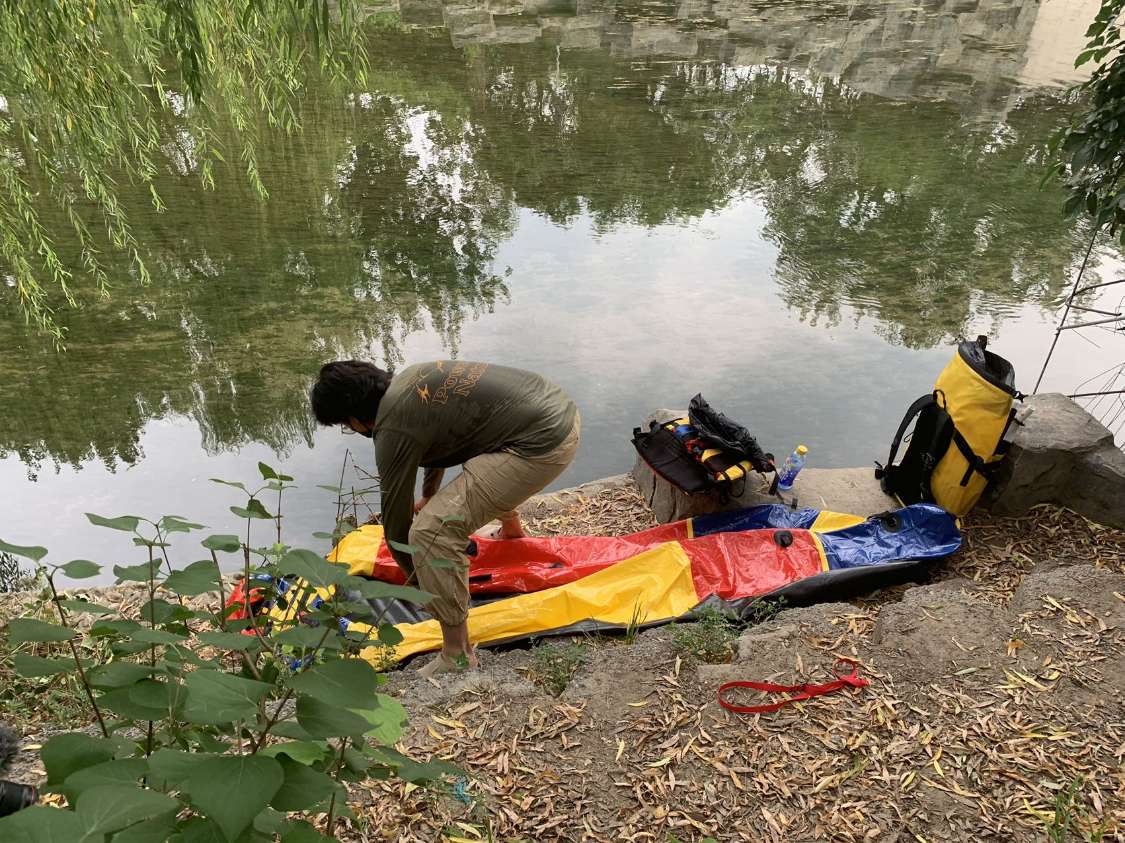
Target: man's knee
[(425, 529), (434, 537)]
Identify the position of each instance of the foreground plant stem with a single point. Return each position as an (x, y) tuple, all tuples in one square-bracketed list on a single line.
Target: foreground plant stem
[(222, 594), (246, 551), (331, 822), (256, 745), (160, 537), (152, 625), (251, 663), (77, 661), (340, 497)]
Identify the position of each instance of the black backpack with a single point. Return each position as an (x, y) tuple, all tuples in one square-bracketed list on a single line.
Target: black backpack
[(704, 452)]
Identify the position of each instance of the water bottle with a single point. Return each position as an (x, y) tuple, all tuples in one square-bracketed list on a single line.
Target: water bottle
[(793, 464)]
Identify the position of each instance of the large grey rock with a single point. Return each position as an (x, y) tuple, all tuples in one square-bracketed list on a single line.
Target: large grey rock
[(1061, 454)]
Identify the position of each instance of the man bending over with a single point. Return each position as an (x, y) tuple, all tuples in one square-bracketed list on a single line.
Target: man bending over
[(511, 431)]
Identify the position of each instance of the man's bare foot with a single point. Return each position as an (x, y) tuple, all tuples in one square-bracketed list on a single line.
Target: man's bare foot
[(443, 663)]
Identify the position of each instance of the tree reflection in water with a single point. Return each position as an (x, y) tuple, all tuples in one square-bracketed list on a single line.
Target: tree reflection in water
[(895, 155)]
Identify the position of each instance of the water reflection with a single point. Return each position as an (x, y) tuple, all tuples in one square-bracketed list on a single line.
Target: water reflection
[(892, 146), (378, 225), (949, 50)]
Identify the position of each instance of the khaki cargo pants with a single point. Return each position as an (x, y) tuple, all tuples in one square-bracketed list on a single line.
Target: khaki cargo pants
[(489, 487)]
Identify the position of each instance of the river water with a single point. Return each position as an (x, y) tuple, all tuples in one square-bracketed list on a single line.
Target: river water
[(793, 208)]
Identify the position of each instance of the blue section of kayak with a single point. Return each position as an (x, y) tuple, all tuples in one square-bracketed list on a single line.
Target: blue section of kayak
[(919, 531), (767, 516)]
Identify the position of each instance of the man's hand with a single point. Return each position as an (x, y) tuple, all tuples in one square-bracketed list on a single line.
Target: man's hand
[(420, 504), (511, 527)]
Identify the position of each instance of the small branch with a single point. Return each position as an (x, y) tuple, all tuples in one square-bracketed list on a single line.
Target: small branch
[(340, 489), (246, 547), (335, 771), (261, 639), (253, 668), (249, 606), (279, 511), (1066, 310), (77, 661), (160, 538), (164, 552), (289, 693), (256, 745), (151, 608)]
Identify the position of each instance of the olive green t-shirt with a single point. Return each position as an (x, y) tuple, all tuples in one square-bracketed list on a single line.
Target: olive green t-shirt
[(438, 415)]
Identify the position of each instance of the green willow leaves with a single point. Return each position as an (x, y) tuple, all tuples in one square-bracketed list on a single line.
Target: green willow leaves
[(88, 89)]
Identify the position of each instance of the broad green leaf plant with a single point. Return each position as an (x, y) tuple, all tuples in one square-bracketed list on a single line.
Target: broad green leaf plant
[(210, 725), (95, 90)]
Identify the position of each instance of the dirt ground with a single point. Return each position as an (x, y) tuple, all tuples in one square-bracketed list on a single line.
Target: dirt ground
[(995, 712)]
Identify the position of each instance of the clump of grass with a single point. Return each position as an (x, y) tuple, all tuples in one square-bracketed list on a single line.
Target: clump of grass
[(635, 623), (710, 639), (28, 702), (761, 611), (554, 665), (1071, 821)]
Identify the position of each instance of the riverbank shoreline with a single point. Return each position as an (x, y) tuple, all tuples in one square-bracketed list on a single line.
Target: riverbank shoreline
[(614, 506)]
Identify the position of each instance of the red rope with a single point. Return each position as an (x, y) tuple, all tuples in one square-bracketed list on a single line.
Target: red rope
[(802, 692)]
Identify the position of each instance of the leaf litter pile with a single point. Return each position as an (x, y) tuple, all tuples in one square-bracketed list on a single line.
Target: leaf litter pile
[(994, 713), (617, 511)]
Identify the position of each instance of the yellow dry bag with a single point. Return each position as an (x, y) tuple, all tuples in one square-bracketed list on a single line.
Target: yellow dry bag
[(958, 438)]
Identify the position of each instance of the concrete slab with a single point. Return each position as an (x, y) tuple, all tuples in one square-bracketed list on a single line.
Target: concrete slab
[(851, 490)]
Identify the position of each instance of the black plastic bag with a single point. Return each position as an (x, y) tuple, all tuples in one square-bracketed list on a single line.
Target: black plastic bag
[(728, 435)]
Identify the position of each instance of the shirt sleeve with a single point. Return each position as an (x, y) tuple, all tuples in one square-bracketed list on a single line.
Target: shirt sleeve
[(431, 481), (396, 457)]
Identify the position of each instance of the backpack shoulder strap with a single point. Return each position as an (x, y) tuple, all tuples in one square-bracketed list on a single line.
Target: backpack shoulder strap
[(914, 409), (975, 462)]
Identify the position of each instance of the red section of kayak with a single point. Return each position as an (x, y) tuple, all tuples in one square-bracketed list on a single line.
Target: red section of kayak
[(750, 563), (727, 565), (520, 566)]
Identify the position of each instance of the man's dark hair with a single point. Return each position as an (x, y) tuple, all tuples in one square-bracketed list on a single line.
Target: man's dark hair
[(347, 388)]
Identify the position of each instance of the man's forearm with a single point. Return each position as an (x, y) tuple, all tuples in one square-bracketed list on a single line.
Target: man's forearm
[(431, 481)]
